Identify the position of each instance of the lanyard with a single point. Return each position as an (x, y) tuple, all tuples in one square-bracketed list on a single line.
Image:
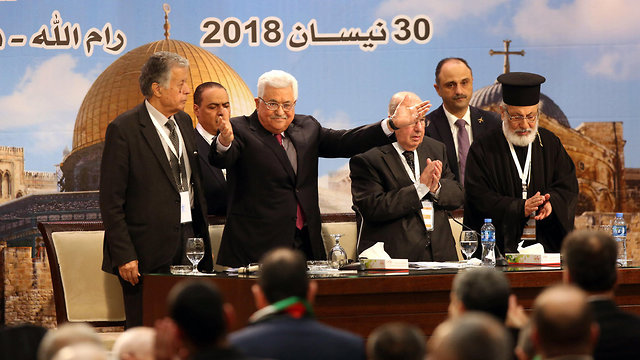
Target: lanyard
[(168, 142), (525, 176)]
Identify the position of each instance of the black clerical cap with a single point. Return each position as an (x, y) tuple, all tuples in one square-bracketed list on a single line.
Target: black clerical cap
[(521, 88)]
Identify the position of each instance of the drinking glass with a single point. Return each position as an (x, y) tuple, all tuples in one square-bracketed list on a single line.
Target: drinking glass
[(468, 242), (195, 252), (337, 255)]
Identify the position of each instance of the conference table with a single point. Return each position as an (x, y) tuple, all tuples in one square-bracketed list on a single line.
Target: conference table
[(360, 302)]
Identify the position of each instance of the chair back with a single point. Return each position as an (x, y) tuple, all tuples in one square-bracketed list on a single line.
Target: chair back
[(82, 291)]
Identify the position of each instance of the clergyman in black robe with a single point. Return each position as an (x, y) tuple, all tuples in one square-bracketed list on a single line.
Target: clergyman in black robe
[(493, 184)]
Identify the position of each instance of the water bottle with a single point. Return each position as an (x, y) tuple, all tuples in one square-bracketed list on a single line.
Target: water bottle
[(619, 231), (488, 234)]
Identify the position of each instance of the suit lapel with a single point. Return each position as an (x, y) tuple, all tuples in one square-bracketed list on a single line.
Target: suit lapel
[(396, 167), (299, 140), (150, 134), (478, 125), (271, 143)]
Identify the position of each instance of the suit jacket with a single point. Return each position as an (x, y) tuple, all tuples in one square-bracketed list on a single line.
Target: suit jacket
[(619, 332), (264, 190), (139, 199), (285, 338), (440, 130), (213, 181), (387, 199)]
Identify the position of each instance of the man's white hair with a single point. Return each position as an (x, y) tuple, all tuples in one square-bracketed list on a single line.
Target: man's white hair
[(134, 343), (277, 79)]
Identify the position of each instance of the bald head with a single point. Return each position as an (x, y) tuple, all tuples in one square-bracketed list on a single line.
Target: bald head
[(472, 336), (135, 344), (563, 322), (396, 99)]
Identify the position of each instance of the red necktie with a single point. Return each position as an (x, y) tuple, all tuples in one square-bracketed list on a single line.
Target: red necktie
[(299, 213)]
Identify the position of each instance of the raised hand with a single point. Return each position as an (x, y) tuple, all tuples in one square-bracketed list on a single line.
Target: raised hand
[(226, 132), (409, 115)]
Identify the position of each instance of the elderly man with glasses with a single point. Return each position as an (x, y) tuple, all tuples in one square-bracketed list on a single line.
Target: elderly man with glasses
[(271, 157), (521, 176)]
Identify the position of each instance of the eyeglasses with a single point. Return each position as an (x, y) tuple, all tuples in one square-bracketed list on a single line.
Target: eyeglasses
[(274, 105), (531, 118)]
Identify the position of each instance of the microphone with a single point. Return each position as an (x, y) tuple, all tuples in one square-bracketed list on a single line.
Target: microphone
[(500, 260)]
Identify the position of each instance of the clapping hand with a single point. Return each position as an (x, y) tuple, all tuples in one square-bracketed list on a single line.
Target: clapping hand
[(431, 174)]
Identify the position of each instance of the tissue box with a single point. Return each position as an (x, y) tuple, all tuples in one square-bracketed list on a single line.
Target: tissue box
[(547, 259), (385, 264)]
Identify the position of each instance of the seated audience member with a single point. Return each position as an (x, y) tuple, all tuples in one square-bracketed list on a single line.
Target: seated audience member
[(403, 191), (65, 335), (396, 341), (590, 263), (135, 344), (82, 351), (480, 289), (197, 324), (472, 336), (563, 324), (20, 341), (284, 327)]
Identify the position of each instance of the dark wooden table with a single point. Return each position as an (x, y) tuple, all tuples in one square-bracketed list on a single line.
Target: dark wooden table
[(361, 303)]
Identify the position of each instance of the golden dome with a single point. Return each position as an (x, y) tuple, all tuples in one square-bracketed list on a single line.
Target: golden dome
[(116, 90)]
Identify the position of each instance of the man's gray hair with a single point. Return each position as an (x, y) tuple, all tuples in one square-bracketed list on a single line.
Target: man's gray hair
[(277, 79), (397, 98), (157, 69)]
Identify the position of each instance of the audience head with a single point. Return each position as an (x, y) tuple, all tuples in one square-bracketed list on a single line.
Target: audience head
[(409, 137), (82, 351), (563, 322), (163, 81), (275, 104), (472, 336), (65, 335), (196, 307), (135, 344), (283, 274), (454, 84), (396, 341), (211, 105), (590, 260), (480, 289)]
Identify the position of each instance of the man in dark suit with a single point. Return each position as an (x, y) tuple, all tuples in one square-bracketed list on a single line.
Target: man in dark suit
[(590, 263), (454, 84), (284, 327), (271, 159), (151, 199), (211, 107), (394, 196)]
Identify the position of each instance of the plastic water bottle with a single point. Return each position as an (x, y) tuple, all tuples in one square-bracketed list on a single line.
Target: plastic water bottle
[(619, 232), (488, 234)]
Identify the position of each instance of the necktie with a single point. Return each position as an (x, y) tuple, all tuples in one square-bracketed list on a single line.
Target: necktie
[(177, 167), (409, 156), (463, 147), (299, 213)]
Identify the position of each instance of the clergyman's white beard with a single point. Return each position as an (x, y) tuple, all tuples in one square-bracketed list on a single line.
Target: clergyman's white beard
[(519, 140)]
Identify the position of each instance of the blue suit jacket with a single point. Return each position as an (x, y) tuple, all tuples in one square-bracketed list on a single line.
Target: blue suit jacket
[(285, 338)]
